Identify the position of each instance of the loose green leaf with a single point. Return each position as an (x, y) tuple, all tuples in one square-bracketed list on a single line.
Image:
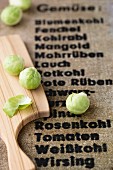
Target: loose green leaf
[(17, 102), (10, 109), (24, 102)]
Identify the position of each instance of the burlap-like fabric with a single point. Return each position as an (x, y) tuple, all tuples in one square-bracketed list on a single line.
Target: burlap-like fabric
[(71, 44)]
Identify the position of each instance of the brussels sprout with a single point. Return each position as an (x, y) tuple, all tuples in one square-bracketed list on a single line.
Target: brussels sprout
[(77, 103), (11, 15), (13, 64), (23, 4), (30, 78)]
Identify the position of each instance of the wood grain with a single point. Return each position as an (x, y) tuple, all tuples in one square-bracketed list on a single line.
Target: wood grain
[(9, 86)]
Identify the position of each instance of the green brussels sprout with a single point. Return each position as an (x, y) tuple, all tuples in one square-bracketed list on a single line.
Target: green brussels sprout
[(13, 64), (77, 103), (11, 15), (23, 4), (30, 78)]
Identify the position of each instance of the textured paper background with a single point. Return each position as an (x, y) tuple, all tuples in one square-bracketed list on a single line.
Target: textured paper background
[(100, 37)]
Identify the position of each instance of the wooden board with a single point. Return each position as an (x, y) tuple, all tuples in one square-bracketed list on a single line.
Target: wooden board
[(9, 86)]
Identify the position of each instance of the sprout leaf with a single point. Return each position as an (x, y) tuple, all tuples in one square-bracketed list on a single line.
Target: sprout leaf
[(17, 102)]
